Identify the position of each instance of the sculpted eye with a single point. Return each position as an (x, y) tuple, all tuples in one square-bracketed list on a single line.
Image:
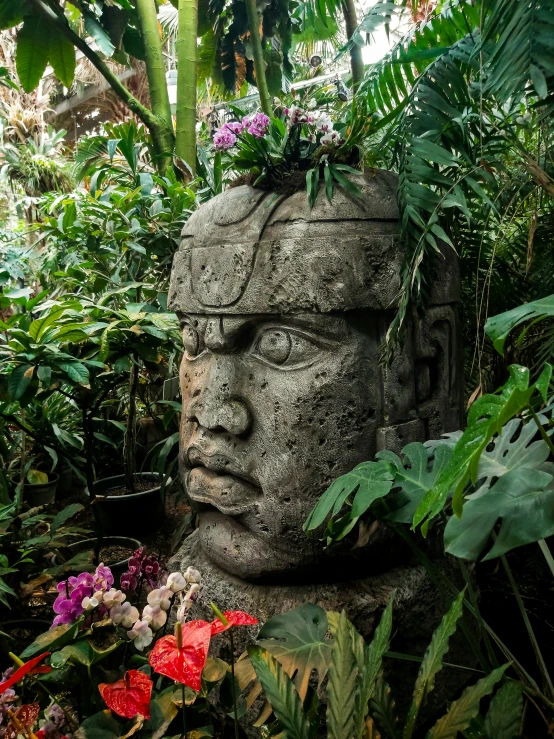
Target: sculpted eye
[(191, 340), (283, 348)]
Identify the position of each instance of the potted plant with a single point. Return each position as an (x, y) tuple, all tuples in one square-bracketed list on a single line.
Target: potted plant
[(83, 350), (135, 341)]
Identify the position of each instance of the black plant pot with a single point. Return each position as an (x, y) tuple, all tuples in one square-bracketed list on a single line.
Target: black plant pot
[(117, 568), (130, 515), (37, 495), (11, 642)]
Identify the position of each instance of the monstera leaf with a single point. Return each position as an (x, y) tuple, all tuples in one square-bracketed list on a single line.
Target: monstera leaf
[(523, 498), (415, 476), (486, 418), (513, 449), (297, 640), (367, 482)]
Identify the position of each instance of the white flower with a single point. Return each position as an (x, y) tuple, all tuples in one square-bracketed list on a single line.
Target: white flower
[(331, 138), (176, 582), (89, 603), (312, 104), (154, 616), (113, 597), (324, 123), (192, 575), (124, 614), (186, 602), (160, 597), (141, 634)]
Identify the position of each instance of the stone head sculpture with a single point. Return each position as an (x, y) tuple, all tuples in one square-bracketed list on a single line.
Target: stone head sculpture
[(283, 311)]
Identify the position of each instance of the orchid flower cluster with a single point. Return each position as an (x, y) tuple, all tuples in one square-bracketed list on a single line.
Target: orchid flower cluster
[(88, 593), (142, 569), (319, 125), (74, 592), (226, 136), (7, 698)]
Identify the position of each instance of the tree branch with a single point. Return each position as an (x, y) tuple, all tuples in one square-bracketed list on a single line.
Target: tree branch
[(152, 121)]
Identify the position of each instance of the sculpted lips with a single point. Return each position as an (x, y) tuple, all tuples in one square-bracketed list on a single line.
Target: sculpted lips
[(217, 481)]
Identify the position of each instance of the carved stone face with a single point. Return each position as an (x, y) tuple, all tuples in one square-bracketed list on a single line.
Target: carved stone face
[(274, 407), (283, 311)]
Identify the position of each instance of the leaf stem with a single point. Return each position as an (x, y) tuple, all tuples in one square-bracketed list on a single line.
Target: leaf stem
[(545, 436), (233, 687), (184, 709), (474, 602), (529, 627), (547, 554)]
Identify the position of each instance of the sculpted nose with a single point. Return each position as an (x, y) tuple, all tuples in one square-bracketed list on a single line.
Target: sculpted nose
[(226, 415), (215, 406)]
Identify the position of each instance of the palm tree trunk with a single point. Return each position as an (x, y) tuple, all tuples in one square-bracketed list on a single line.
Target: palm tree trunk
[(356, 59), (160, 130), (155, 70), (258, 54), (187, 63)]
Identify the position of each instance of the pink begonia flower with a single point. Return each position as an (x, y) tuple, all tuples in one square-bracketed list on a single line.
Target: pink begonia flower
[(141, 634), (124, 614)]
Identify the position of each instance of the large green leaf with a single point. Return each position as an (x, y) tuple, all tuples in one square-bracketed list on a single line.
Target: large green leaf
[(522, 498), (499, 327), (342, 684), (516, 447), (19, 380), (372, 664), (415, 476), (297, 640), (52, 639), (99, 35), (64, 515), (61, 55), (382, 710), (486, 418), (280, 692), (76, 371), (369, 481), (31, 55), (463, 710), (432, 662), (503, 719), (11, 13), (101, 725)]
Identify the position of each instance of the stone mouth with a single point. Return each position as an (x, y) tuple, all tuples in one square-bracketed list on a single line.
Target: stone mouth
[(228, 492)]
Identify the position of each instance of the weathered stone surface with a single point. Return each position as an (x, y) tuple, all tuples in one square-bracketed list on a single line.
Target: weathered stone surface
[(418, 608), (284, 310)]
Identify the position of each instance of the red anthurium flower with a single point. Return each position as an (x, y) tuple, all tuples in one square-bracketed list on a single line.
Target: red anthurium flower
[(128, 697), (29, 668), (22, 720), (233, 618), (182, 657)]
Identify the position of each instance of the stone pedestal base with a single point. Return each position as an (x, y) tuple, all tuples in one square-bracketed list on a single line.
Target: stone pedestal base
[(418, 608)]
